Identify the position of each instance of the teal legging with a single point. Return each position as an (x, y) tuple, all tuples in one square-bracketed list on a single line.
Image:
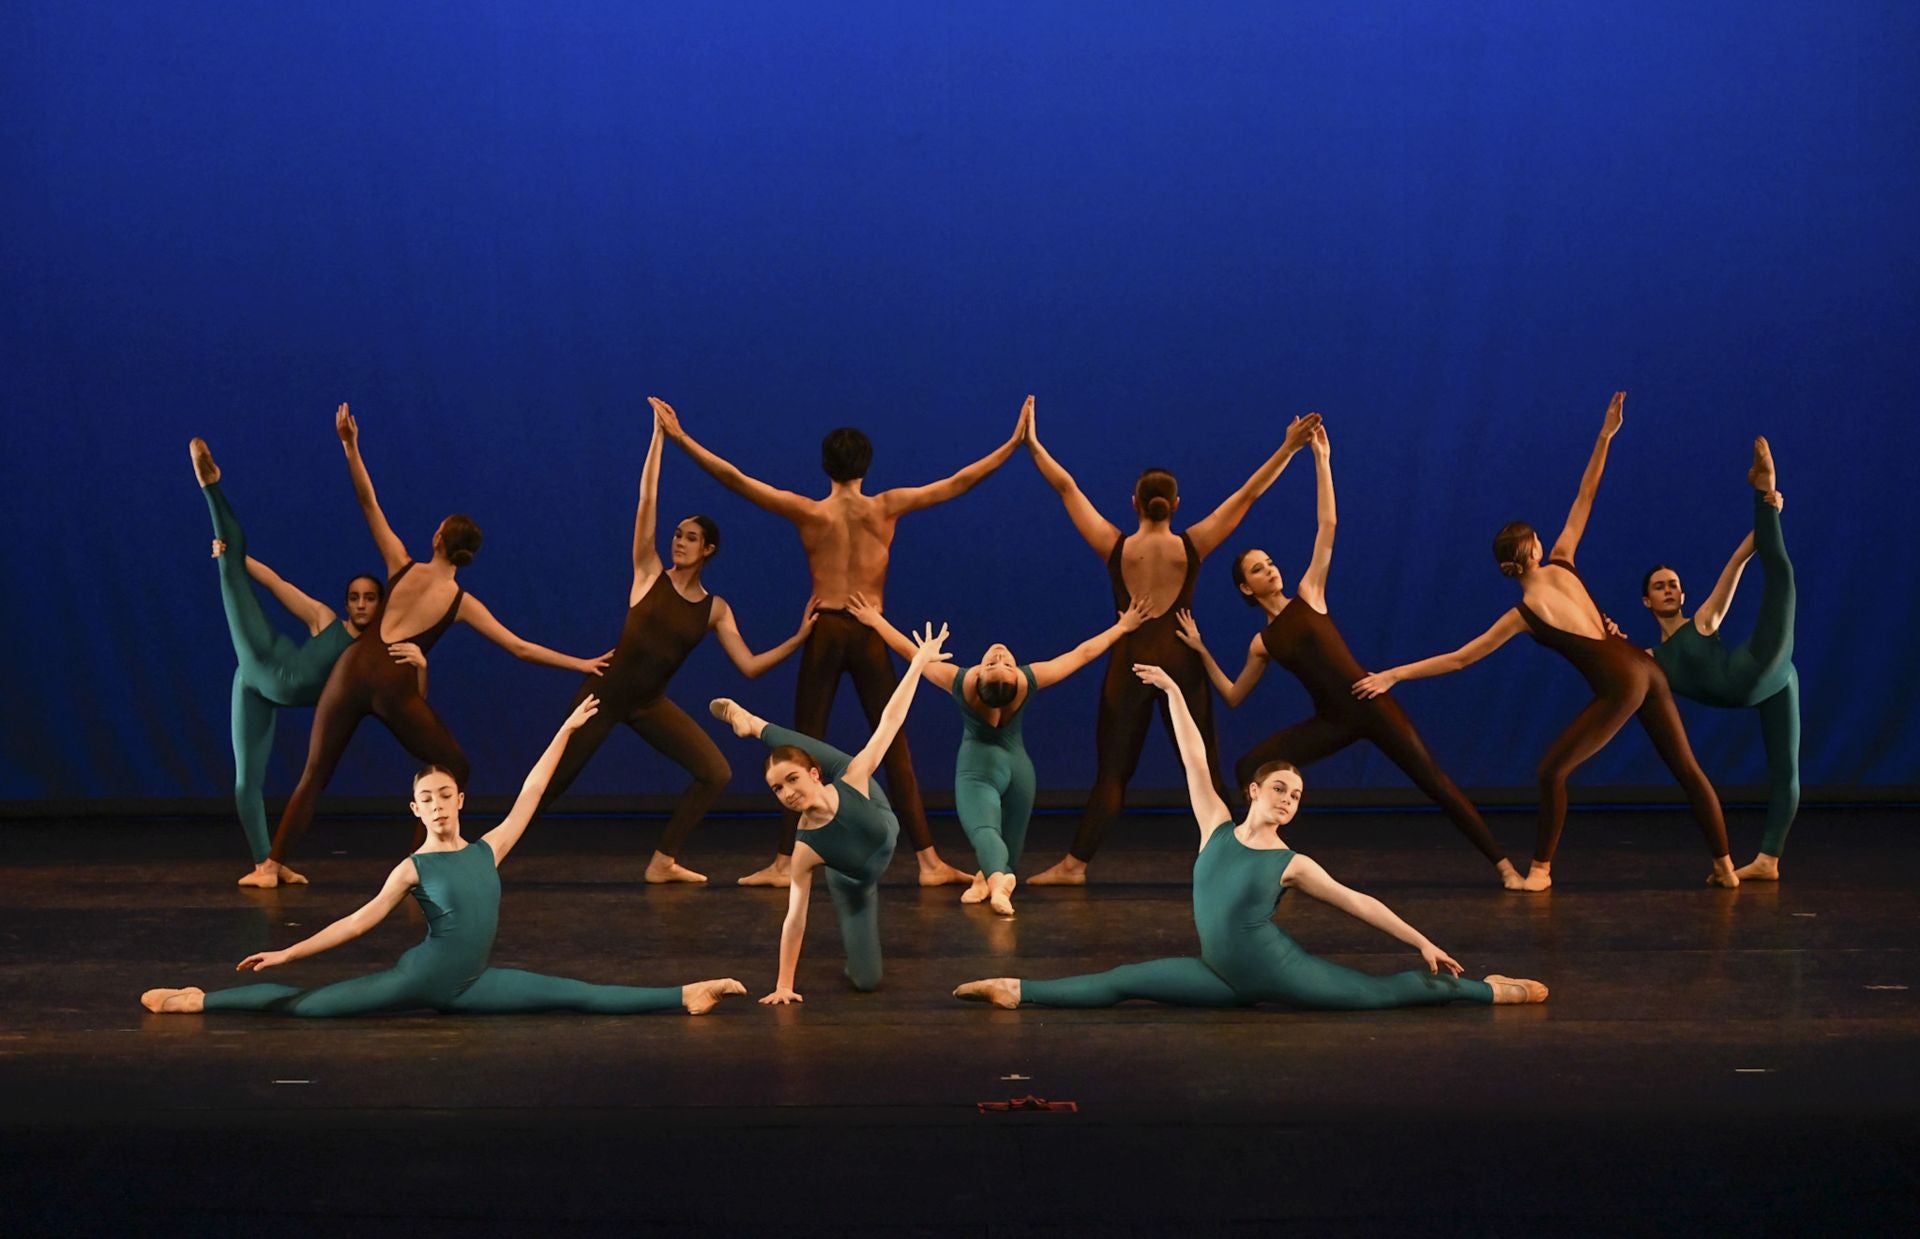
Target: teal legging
[(497, 991), (857, 904), (993, 794), (1771, 648), (1304, 981), (1780, 734)]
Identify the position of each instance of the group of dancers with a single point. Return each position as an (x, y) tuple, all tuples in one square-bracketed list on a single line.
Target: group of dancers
[(838, 816)]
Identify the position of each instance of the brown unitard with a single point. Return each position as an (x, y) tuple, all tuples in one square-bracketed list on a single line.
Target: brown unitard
[(1127, 704), (1305, 642), (366, 681), (1626, 681), (841, 644), (661, 630)]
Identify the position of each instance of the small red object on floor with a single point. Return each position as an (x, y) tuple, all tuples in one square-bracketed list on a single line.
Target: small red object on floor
[(1029, 1105)]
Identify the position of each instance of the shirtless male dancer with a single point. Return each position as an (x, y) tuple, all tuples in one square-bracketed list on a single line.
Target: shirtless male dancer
[(847, 536)]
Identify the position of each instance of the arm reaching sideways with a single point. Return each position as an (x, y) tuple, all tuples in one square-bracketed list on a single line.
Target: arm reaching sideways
[(1504, 629), (748, 663), (753, 490), (502, 837), (1713, 612), (1218, 525), (1568, 542), (1053, 670), (1234, 691), (474, 614), (1099, 532), (392, 551), (402, 879), (940, 675), (793, 930), (1304, 874), (859, 772), (1209, 811), (904, 499), (316, 615)]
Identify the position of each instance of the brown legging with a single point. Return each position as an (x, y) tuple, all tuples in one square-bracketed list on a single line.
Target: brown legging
[(840, 644), (669, 730), (365, 681)]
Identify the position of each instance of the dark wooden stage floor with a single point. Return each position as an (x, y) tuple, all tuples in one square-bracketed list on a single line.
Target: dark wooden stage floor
[(1710, 1062)]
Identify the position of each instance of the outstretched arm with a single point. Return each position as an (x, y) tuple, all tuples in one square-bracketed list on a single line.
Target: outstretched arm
[(1504, 629), (347, 928), (1219, 524), (646, 555), (474, 613), (1568, 542), (392, 551), (1313, 582), (793, 930), (1054, 670), (753, 490), (1233, 692), (1713, 612), (1304, 874), (860, 770), (1095, 528), (750, 664), (502, 837), (940, 675), (903, 499), (1209, 811), (315, 614)]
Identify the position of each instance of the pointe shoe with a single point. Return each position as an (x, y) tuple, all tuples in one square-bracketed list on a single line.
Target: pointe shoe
[(203, 466)]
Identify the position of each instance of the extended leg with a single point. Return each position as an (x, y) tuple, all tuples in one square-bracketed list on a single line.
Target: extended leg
[(1185, 982), (1307, 981), (677, 737), (1393, 735), (1780, 732), (1302, 743), (976, 799), (334, 721), (858, 906), (1589, 732), (256, 643), (1120, 731), (833, 763), (1767, 656), (500, 991), (253, 718), (1662, 721), (391, 990), (581, 746)]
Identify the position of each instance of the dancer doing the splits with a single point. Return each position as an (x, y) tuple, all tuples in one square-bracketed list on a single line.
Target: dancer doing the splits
[(457, 886), (272, 671), (367, 680), (993, 781), (1238, 879), (1154, 563), (1301, 637), (1557, 611), (669, 611), (847, 825), (1759, 674), (847, 536)]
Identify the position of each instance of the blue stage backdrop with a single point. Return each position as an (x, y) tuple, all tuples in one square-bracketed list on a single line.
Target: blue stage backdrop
[(494, 228)]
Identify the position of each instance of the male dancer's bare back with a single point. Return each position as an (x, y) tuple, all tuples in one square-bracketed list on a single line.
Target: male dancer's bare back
[(848, 538)]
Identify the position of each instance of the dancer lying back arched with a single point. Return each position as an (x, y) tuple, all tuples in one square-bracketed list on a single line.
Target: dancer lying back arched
[(457, 886), (1557, 611), (1757, 674), (422, 605), (669, 612), (993, 780), (846, 826), (1154, 563), (1238, 879), (1301, 637), (272, 671)]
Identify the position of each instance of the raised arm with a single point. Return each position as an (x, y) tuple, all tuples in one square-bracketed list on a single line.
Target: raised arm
[(1713, 612), (1235, 691), (753, 490), (1305, 875), (748, 663), (392, 551), (475, 615), (1504, 629), (315, 614), (502, 837), (1219, 524), (1313, 582), (1053, 670), (1209, 811), (347, 928), (1568, 542), (646, 554), (904, 499), (940, 675), (860, 770), (793, 929), (1099, 532)]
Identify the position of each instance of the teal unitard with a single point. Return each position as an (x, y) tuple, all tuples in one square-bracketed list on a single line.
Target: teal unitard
[(1244, 956), (460, 894), (993, 781), (272, 672), (1759, 674), (856, 846)]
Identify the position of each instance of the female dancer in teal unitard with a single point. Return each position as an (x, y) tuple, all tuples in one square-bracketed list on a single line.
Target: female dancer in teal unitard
[(846, 824), (1759, 674), (457, 885), (272, 671), (1245, 958), (993, 780)]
